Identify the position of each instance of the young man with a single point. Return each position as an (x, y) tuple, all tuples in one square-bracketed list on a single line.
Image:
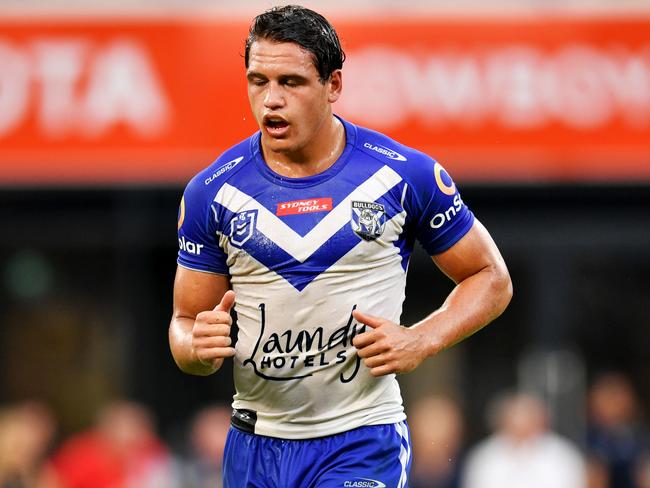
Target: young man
[(311, 222)]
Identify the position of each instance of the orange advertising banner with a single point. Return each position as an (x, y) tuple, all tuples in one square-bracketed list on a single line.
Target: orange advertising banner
[(86, 101)]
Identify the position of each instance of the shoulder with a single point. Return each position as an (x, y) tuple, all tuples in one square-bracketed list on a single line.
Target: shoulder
[(207, 182), (413, 165), (425, 176)]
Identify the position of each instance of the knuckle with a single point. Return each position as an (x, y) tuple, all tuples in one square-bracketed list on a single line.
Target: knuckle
[(198, 332), (202, 316), (370, 363), (383, 347)]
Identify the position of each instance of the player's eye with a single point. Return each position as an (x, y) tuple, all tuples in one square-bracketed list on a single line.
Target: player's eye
[(257, 81), (291, 82)]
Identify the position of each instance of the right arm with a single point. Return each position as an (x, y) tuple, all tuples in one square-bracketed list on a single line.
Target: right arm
[(199, 331)]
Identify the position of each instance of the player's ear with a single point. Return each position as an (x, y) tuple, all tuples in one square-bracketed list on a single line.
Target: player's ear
[(335, 85)]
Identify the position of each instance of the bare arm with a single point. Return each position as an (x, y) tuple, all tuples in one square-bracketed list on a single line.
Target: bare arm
[(199, 331), (482, 292)]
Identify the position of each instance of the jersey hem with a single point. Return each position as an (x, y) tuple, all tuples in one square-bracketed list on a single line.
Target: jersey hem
[(373, 424), (316, 431)]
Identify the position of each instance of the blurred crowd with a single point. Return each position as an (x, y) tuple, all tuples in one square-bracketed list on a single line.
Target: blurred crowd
[(523, 450), (123, 449)]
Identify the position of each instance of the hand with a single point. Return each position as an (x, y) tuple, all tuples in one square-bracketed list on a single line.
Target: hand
[(388, 347), (211, 333)]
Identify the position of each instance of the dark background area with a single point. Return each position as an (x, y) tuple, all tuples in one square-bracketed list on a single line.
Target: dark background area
[(87, 279)]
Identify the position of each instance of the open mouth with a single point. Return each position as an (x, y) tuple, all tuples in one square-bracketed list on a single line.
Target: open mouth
[(275, 125)]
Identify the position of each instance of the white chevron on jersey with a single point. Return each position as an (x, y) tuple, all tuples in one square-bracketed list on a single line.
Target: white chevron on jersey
[(301, 248), (298, 278)]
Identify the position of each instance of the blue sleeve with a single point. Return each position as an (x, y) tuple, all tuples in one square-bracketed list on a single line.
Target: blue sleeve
[(440, 216), (198, 241)]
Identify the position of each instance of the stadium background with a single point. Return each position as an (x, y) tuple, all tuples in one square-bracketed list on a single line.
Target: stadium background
[(540, 111)]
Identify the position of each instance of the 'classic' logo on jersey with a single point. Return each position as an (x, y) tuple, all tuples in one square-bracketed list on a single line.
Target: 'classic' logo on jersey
[(222, 169), (304, 206), (242, 227), (368, 219), (389, 153), (363, 483)]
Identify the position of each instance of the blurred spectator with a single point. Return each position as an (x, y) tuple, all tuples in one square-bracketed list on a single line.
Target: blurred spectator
[(596, 473), (202, 466), (523, 452), (615, 435), (120, 451), (642, 473), (437, 433), (26, 431)]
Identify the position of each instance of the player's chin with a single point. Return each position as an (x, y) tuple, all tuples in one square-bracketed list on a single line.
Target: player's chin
[(278, 144)]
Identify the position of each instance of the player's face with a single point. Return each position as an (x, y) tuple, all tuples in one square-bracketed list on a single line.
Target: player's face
[(287, 98)]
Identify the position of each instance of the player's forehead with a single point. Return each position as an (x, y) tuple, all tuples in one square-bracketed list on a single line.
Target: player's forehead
[(271, 57)]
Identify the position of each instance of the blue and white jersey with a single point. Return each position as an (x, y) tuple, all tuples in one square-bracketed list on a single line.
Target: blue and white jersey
[(302, 254)]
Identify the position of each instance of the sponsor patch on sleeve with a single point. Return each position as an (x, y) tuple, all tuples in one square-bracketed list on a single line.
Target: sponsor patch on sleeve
[(443, 180), (181, 213)]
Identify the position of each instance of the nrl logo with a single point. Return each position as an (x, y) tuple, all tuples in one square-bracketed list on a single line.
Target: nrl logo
[(368, 219), (242, 227)]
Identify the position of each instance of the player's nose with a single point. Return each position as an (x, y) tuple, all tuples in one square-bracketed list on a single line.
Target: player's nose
[(273, 96)]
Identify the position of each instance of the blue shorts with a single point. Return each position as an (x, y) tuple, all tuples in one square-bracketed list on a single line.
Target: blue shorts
[(371, 456)]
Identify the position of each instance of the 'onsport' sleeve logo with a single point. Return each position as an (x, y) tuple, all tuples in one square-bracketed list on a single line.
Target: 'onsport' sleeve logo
[(181, 213), (443, 180)]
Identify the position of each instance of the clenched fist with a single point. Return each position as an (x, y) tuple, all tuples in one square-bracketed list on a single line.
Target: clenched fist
[(387, 347), (211, 341)]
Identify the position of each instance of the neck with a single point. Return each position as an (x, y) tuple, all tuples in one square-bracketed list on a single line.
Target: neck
[(316, 157)]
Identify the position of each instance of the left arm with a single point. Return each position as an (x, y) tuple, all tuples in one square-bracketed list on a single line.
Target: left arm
[(482, 292)]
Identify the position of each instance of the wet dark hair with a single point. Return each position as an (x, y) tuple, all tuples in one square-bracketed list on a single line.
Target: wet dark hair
[(309, 29)]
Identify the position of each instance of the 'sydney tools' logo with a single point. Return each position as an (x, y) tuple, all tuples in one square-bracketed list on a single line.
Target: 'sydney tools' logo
[(368, 219)]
